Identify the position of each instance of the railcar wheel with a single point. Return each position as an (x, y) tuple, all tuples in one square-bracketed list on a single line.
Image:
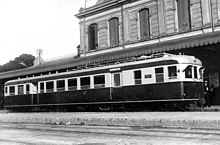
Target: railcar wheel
[(105, 108)]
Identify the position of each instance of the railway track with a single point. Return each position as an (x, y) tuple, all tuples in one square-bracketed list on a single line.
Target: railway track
[(65, 132)]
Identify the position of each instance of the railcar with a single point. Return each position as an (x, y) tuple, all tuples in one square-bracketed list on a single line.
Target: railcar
[(159, 81)]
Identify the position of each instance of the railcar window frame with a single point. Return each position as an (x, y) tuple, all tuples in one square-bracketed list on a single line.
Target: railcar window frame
[(195, 72), (99, 81), (11, 90), (27, 90), (70, 82), (188, 72), (137, 77), (50, 86), (60, 85), (20, 89), (159, 74), (172, 72), (117, 82), (201, 69), (41, 87), (6, 90), (85, 82)]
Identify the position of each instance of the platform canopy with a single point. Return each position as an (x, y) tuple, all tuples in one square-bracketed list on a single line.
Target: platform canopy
[(69, 63)]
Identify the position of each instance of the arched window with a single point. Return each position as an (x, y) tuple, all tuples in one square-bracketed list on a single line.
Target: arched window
[(93, 36), (114, 32), (144, 24), (183, 10)]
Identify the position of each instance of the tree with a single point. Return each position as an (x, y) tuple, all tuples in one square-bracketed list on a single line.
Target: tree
[(26, 60), (23, 61)]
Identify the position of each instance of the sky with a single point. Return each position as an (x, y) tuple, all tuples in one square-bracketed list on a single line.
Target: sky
[(28, 25)]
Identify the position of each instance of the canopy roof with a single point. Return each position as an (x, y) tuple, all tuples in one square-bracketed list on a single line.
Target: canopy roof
[(187, 42), (102, 1)]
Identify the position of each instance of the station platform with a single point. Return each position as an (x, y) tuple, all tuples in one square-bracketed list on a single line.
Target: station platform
[(214, 108), (209, 119)]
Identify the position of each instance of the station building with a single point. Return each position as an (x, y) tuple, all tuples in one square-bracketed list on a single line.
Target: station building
[(128, 28), (115, 30)]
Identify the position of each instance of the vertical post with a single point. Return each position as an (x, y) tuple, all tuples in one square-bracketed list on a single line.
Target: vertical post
[(211, 15), (122, 26), (39, 53), (111, 86), (84, 29)]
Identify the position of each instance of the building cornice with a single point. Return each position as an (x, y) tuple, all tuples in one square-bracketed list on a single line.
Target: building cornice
[(85, 12)]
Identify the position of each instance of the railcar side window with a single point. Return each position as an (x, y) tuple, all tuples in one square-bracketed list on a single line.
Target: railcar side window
[(12, 90), (159, 75), (201, 72), (27, 88), (85, 83), (188, 71), (137, 77), (172, 72), (195, 72), (117, 80), (72, 84), (49, 86), (60, 85), (6, 90), (20, 89), (99, 81), (41, 87)]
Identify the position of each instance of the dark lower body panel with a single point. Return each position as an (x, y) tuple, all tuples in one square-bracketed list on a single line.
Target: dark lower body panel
[(163, 92)]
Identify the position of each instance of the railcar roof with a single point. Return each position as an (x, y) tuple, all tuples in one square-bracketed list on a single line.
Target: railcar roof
[(185, 59), (177, 59)]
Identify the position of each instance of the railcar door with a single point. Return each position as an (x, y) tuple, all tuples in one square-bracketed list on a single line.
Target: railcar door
[(193, 89), (116, 86), (35, 95), (34, 99)]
